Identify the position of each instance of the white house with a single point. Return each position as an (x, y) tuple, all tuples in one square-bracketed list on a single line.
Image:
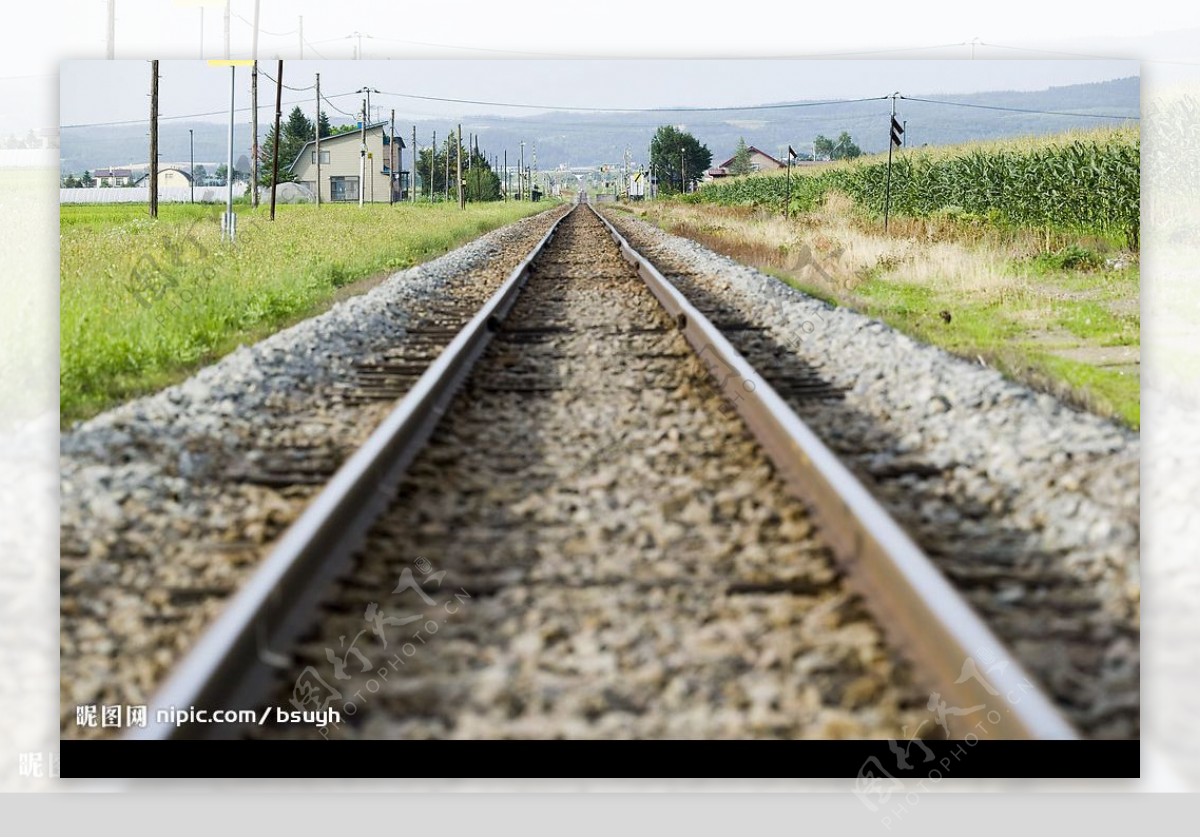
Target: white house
[(343, 172)]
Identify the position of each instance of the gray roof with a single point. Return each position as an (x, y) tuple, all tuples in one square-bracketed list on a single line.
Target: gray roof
[(357, 134)]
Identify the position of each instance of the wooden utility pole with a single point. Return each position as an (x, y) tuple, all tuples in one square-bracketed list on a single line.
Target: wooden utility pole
[(462, 196), (447, 168), (395, 176), (254, 135), (506, 175), (153, 139), (275, 156), (432, 159), (318, 139), (362, 155), (412, 177)]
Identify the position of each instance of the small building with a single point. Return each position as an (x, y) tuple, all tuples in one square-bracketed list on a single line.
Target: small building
[(167, 178), (760, 161), (113, 177), (343, 174)]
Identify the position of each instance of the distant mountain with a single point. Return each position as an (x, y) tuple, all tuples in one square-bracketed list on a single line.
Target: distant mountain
[(576, 139)]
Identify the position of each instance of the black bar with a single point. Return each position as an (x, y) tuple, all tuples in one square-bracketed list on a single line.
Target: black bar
[(870, 761)]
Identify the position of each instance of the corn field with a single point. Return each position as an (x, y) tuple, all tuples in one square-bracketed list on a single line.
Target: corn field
[(1089, 185)]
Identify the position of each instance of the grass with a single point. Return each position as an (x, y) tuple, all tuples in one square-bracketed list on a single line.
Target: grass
[(1054, 321), (144, 303)]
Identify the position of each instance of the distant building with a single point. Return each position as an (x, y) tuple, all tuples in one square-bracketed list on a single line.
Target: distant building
[(760, 161), (167, 178), (340, 165), (113, 177)]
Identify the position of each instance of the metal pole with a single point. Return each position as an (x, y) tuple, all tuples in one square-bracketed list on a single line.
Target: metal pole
[(506, 175), (682, 174), (462, 196), (192, 164), (432, 160), (395, 176), (254, 135), (153, 139), (447, 168), (521, 175), (412, 177), (318, 132), (275, 156), (787, 207), (887, 200), (229, 161)]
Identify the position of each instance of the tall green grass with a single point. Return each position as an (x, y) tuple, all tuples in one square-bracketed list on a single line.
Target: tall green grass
[(143, 302)]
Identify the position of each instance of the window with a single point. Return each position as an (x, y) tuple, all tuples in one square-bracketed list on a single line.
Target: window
[(343, 188), (324, 157)]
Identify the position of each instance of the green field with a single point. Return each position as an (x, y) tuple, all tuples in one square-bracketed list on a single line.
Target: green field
[(1019, 254), (144, 302)]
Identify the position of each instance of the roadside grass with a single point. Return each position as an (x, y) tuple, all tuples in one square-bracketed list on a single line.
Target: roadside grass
[(1048, 319), (144, 303)]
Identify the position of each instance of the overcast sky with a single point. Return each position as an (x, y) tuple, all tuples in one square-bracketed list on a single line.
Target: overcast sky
[(101, 91)]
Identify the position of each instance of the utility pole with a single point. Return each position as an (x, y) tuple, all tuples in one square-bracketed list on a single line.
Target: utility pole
[(254, 135), (192, 164), (112, 30), (521, 175), (362, 154), (448, 169), (275, 156), (432, 157), (682, 174), (318, 139), (392, 161), (230, 222), (412, 176), (506, 175), (462, 196), (153, 139), (895, 132)]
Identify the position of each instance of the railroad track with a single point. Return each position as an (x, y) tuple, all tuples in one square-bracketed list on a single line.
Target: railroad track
[(588, 515)]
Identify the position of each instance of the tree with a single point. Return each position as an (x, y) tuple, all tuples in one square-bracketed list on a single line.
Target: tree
[(221, 174), (87, 180), (297, 131), (844, 148), (199, 173), (326, 128), (678, 158), (741, 159), (70, 181)]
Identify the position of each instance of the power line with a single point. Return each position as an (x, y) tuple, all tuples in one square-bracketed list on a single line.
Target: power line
[(779, 106), (262, 72), (207, 113), (1019, 110), (308, 43), (262, 31)]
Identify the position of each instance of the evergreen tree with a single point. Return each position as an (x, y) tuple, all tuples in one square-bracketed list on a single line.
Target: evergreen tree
[(741, 159)]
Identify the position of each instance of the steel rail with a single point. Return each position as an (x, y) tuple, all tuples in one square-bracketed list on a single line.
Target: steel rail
[(914, 602), (232, 663)]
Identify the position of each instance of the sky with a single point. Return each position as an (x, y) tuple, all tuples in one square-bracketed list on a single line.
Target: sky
[(94, 91)]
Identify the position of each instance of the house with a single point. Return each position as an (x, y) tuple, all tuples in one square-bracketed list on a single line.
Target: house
[(167, 178), (760, 161), (113, 177), (341, 158)]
